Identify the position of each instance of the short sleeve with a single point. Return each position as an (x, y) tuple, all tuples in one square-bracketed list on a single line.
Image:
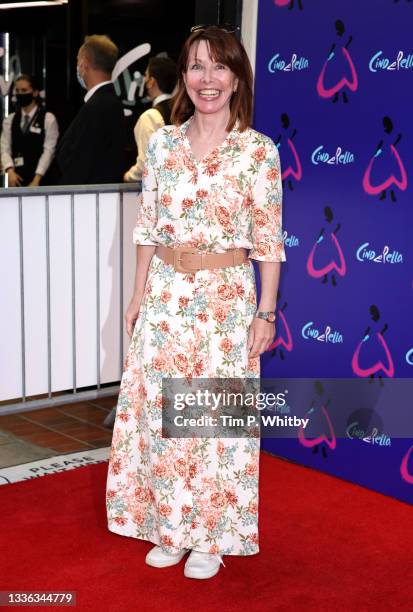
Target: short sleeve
[(266, 207), (147, 200)]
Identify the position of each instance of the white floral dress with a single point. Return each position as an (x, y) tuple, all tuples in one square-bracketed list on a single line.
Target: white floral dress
[(197, 493)]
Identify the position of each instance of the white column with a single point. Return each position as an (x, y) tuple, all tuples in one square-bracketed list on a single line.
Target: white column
[(249, 28)]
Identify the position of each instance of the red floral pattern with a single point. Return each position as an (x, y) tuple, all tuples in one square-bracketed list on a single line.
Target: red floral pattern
[(231, 198), (199, 493)]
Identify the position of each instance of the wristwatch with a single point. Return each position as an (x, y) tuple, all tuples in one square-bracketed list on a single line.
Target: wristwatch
[(267, 316)]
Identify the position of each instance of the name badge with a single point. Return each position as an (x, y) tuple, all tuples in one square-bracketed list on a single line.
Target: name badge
[(18, 162), (35, 130)]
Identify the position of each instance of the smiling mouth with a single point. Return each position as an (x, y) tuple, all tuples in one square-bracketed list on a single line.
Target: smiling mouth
[(209, 94)]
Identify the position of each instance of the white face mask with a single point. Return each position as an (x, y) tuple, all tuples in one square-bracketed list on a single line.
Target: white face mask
[(80, 79)]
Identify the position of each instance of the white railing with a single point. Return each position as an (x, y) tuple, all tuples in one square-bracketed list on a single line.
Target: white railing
[(66, 267)]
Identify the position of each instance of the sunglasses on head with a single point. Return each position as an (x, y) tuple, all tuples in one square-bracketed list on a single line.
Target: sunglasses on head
[(227, 27)]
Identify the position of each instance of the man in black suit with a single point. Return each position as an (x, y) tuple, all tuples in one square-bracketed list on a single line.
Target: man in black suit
[(92, 151)]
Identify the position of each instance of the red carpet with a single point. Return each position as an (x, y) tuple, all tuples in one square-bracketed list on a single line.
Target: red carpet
[(325, 545)]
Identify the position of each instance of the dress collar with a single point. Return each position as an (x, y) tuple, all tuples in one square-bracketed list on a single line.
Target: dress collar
[(229, 140)]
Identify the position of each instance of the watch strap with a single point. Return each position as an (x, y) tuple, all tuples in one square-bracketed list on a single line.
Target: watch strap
[(266, 315)]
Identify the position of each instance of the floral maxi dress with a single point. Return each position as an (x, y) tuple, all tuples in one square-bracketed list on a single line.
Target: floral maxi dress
[(200, 494)]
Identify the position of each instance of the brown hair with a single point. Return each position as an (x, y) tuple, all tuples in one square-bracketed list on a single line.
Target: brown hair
[(31, 79), (101, 52), (163, 69), (226, 49)]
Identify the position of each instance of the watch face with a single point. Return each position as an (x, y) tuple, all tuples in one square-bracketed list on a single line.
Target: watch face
[(271, 317)]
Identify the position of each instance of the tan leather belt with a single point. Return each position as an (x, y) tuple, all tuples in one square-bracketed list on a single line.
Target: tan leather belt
[(184, 259)]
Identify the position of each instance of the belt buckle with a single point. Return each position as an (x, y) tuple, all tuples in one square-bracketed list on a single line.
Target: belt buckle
[(179, 266)]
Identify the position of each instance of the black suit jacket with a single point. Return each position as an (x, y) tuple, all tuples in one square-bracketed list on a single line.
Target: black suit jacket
[(93, 148)]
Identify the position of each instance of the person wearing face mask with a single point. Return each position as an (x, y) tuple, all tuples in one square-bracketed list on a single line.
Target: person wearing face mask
[(160, 81), (92, 150), (28, 138)]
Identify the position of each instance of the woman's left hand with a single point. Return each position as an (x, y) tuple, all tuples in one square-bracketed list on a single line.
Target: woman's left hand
[(35, 182), (260, 337)]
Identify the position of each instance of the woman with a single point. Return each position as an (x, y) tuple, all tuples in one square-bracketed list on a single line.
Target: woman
[(211, 185), (28, 138)]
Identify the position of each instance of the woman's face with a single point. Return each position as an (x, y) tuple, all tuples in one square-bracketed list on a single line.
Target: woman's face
[(24, 93), (209, 84)]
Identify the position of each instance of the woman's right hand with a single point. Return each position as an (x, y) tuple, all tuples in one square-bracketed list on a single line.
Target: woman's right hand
[(14, 179), (132, 314)]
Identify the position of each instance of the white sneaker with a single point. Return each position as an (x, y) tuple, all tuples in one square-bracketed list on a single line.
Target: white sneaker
[(159, 558), (202, 565)]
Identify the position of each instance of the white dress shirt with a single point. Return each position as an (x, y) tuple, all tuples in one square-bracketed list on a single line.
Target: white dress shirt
[(93, 89), (51, 134), (150, 121)]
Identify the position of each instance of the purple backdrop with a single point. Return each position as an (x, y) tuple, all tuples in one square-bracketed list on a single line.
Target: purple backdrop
[(334, 90)]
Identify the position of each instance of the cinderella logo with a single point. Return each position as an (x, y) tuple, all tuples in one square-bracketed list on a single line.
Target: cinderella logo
[(337, 64), (379, 62), (363, 420), (404, 467), (353, 431), (291, 159), (364, 253), (340, 157), (388, 166), (309, 332), (290, 240), (296, 62), (372, 355), (326, 250)]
